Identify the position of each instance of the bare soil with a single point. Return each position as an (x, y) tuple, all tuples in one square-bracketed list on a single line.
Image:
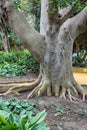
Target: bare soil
[(61, 113)]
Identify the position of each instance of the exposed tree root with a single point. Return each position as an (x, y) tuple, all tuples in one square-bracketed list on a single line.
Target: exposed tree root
[(34, 91), (15, 88), (69, 91), (43, 86), (72, 91), (81, 90)]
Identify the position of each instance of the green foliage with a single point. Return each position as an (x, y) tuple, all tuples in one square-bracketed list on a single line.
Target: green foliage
[(53, 7), (77, 3), (80, 59), (13, 37), (60, 111), (20, 115), (29, 8), (65, 3), (59, 127), (81, 6), (35, 9), (17, 63), (22, 5)]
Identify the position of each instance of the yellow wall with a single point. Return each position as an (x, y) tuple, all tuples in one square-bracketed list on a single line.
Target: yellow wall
[(80, 75)]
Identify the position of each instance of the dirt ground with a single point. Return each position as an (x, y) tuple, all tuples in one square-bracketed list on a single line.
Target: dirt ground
[(61, 114)]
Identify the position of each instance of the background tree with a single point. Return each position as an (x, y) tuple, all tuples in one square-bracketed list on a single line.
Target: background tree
[(52, 47), (5, 39)]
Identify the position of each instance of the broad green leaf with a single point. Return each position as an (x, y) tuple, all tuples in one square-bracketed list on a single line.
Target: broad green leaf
[(38, 118), (10, 127), (41, 126), (3, 120), (4, 113)]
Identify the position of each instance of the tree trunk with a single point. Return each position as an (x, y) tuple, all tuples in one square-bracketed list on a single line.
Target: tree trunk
[(5, 39), (52, 47)]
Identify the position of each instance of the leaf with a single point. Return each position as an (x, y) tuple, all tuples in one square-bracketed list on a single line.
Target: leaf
[(58, 114), (11, 118), (59, 127), (4, 113), (21, 116), (3, 120), (41, 126), (61, 110), (21, 124), (10, 127), (80, 111), (37, 119)]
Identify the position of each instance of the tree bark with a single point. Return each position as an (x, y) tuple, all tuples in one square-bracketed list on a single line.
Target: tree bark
[(5, 39), (52, 47)]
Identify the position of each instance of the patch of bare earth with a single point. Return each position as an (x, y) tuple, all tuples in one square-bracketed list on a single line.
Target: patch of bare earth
[(62, 113)]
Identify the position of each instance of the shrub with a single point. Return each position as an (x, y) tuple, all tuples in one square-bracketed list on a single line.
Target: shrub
[(80, 59), (17, 63)]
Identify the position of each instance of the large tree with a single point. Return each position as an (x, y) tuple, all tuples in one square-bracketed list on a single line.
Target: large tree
[(52, 47)]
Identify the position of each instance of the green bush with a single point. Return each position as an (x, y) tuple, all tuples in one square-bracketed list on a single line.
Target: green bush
[(80, 59), (20, 115), (17, 63)]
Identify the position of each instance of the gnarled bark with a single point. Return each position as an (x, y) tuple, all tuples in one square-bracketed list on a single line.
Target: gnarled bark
[(5, 39), (52, 48)]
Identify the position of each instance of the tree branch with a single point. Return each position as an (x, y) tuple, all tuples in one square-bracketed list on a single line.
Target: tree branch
[(31, 39), (66, 13), (77, 24), (74, 26), (49, 15)]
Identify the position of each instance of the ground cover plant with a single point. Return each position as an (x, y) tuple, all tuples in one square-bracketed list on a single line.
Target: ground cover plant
[(20, 115), (17, 63), (61, 114)]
